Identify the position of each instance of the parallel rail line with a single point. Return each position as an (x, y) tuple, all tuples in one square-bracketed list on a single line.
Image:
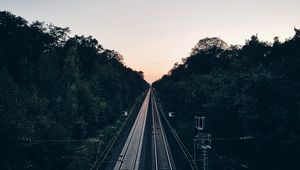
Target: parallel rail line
[(108, 148), (180, 143), (131, 152), (159, 141)]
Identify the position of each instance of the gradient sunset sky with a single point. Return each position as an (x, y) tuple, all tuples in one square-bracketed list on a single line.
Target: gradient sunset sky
[(154, 34)]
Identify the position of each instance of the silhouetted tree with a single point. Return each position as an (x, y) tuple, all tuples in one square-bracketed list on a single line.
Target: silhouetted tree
[(56, 87), (249, 90)]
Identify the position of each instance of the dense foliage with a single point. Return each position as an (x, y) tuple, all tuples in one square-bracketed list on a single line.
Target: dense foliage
[(250, 90), (56, 87)]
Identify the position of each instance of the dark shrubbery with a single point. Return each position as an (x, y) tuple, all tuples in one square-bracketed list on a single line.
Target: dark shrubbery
[(250, 90), (54, 87)]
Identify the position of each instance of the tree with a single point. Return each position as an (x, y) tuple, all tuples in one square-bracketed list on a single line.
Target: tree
[(242, 91), (57, 88)]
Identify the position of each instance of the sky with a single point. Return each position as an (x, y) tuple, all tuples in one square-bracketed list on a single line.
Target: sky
[(154, 34)]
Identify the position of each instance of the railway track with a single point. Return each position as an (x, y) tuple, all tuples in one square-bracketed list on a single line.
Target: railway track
[(130, 156), (161, 155)]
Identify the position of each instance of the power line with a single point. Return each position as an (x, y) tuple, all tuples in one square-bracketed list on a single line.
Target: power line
[(97, 155), (66, 140)]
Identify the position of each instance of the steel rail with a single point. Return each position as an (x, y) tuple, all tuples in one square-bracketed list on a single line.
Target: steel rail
[(113, 140), (181, 144), (131, 135), (127, 144), (155, 111), (154, 134)]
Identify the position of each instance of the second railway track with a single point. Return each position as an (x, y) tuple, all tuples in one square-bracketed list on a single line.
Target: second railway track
[(162, 157), (129, 158)]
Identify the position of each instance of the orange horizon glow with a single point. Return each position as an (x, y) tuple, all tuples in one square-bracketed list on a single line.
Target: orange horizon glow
[(153, 35)]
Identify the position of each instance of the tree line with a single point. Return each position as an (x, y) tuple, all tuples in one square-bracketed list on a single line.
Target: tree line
[(250, 90), (57, 87)]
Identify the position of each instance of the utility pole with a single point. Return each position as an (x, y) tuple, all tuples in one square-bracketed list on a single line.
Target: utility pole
[(201, 141)]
